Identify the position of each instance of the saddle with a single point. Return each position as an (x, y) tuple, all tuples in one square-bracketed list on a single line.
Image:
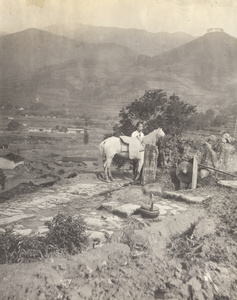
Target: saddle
[(133, 146)]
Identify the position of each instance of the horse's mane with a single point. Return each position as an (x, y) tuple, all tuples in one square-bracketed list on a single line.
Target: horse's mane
[(151, 134)]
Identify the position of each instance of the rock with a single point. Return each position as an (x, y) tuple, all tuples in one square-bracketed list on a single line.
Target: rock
[(153, 188), (228, 183), (15, 218), (189, 198), (150, 164), (205, 227), (113, 221), (19, 226), (126, 210), (109, 206), (23, 231), (42, 229), (195, 284), (97, 235), (44, 219), (204, 173), (94, 222), (2, 230), (84, 292)]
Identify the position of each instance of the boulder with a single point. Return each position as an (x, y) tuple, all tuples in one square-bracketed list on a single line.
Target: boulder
[(153, 188), (126, 210), (205, 227), (150, 164)]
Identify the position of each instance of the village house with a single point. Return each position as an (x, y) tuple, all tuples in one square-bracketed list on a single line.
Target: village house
[(75, 130), (11, 161), (4, 146)]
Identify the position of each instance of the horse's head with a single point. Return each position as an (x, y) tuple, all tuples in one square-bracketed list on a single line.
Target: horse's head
[(159, 133)]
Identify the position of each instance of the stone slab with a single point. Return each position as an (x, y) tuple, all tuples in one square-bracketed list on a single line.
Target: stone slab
[(189, 198), (23, 231), (204, 228), (159, 234), (109, 206), (152, 188), (42, 229), (95, 222), (126, 210), (228, 183), (2, 230), (97, 235), (15, 218)]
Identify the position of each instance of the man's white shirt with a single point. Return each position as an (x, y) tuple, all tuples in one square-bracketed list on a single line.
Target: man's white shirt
[(138, 134)]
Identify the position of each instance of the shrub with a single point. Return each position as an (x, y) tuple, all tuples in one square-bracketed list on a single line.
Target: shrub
[(13, 125), (65, 235)]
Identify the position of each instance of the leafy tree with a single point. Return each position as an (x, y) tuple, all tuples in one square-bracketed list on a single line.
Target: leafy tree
[(219, 120), (198, 121), (210, 116), (87, 120), (155, 109), (13, 125), (86, 137)]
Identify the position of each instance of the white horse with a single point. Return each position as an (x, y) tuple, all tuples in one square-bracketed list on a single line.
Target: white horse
[(114, 145)]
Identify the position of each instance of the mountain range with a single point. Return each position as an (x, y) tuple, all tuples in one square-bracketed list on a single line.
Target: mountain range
[(74, 71), (139, 41)]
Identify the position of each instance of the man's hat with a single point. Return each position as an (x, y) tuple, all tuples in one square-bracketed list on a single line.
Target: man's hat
[(184, 172)]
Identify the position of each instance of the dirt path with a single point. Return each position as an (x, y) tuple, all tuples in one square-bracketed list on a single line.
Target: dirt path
[(188, 253)]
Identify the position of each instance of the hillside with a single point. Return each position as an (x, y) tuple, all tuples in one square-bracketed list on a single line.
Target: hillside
[(208, 59), (208, 65), (139, 41), (72, 76), (38, 64)]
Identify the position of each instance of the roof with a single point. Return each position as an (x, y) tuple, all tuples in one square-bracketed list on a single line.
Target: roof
[(13, 157)]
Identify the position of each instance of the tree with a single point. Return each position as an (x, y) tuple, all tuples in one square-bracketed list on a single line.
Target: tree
[(155, 109), (219, 120), (198, 121), (87, 120), (13, 125), (210, 116), (86, 137)]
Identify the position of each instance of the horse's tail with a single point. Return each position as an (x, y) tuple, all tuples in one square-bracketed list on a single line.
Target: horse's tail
[(101, 156)]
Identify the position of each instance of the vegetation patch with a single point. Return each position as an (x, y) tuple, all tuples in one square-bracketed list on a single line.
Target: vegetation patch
[(66, 235)]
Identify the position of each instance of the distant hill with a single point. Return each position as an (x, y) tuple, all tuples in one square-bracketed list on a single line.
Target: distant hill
[(63, 74), (139, 41), (3, 33), (206, 65), (209, 59), (36, 63)]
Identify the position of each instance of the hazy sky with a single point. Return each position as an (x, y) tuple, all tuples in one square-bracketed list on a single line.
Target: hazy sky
[(191, 16)]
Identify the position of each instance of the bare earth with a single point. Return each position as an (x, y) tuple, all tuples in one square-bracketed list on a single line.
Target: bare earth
[(189, 252)]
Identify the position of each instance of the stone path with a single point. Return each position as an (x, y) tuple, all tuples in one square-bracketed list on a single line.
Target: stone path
[(105, 207), (228, 183)]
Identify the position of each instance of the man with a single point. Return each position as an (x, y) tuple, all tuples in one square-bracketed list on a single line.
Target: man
[(139, 135)]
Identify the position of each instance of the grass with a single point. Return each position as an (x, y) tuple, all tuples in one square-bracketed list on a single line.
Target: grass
[(65, 235)]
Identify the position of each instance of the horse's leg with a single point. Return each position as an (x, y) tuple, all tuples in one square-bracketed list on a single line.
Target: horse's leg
[(106, 170), (109, 161), (108, 175)]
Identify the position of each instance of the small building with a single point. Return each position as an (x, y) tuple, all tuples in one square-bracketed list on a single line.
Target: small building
[(215, 30), (11, 161), (75, 130), (33, 129), (4, 146)]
